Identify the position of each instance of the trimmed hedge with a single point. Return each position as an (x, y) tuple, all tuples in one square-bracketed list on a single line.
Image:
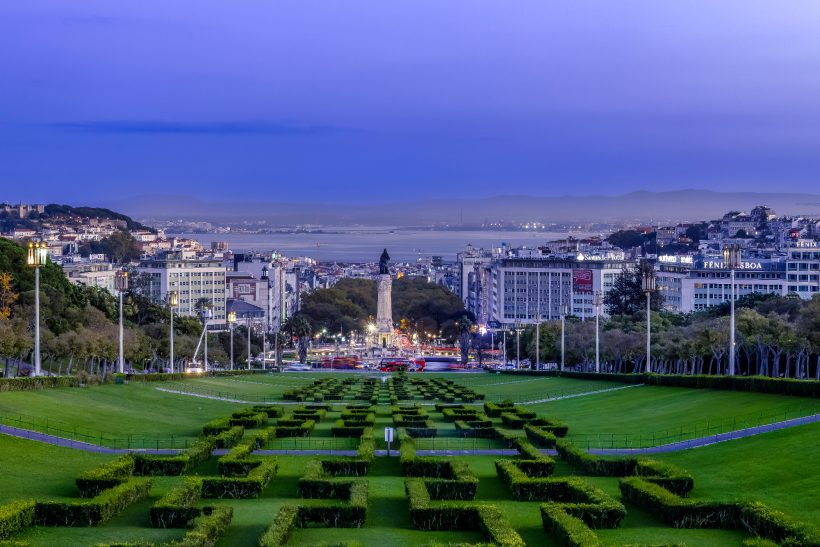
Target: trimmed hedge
[(272, 411), (302, 430), (280, 529), (16, 516), (240, 487), (494, 410), (93, 511), (229, 438), (593, 465), (237, 462), (176, 508), (248, 419), (683, 513), (424, 515), (567, 529), (559, 429), (539, 436), (513, 421), (108, 475), (37, 382), (443, 478), (215, 427), (208, 528), (150, 464)]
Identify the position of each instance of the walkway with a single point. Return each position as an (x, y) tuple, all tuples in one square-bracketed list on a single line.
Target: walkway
[(671, 447)]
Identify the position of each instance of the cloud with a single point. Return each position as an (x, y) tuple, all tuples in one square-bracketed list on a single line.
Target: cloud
[(193, 128)]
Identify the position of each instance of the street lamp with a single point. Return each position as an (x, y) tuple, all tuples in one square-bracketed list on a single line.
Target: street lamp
[(173, 302), (206, 316), (37, 256), (564, 310), (731, 260), (596, 301), (249, 342), (231, 322), (648, 286), (121, 284)]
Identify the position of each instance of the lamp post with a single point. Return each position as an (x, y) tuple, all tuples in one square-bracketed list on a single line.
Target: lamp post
[(249, 342), (173, 301), (505, 346), (538, 336), (231, 322), (121, 284), (648, 286), (37, 256), (731, 260), (564, 310), (517, 345), (596, 301), (206, 316)]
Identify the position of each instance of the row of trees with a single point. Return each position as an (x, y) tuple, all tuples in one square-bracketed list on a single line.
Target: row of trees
[(80, 324), (776, 336)]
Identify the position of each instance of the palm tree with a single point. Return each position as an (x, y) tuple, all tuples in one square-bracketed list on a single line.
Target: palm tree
[(298, 327)]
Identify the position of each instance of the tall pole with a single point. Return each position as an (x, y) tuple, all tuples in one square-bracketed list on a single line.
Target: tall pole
[(648, 329), (732, 326), (37, 368), (563, 319), (538, 335), (249, 342), (231, 345), (171, 349), (205, 326), (517, 347), (596, 300), (121, 362), (505, 346)]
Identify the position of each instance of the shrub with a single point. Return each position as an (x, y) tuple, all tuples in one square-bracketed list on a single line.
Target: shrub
[(271, 410), (215, 427), (283, 524), (513, 421), (593, 465), (229, 438), (248, 420), (570, 531), (555, 427), (150, 464), (302, 430), (240, 487), (539, 436), (236, 463), (176, 509), (93, 511), (15, 517), (494, 410), (108, 475), (208, 528)]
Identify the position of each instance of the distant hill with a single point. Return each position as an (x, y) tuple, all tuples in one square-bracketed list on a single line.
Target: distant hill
[(641, 206), (9, 221)]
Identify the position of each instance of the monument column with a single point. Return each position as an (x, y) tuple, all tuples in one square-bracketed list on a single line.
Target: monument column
[(384, 310)]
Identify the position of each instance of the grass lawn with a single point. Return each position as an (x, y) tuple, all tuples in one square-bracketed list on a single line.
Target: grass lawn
[(776, 468), (114, 411)]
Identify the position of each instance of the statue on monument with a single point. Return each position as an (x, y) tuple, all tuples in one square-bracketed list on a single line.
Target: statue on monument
[(383, 263)]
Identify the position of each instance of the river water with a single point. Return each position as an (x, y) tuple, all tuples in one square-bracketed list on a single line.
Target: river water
[(366, 244)]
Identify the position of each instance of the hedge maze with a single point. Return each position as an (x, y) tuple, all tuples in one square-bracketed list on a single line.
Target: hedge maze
[(543, 475)]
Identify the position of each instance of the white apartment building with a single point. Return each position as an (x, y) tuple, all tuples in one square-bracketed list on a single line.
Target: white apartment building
[(803, 268), (690, 284), (191, 277), (91, 274)]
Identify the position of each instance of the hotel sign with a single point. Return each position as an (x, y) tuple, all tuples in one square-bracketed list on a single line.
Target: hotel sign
[(719, 265), (675, 259), (806, 243)]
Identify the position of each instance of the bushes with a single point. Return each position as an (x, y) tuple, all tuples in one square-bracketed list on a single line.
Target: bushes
[(215, 427), (283, 524), (559, 429), (208, 528), (176, 509), (570, 531), (424, 515), (593, 465), (683, 513), (671, 477), (539, 436), (37, 382), (340, 429), (15, 517), (240, 487), (443, 478), (108, 475), (236, 463), (302, 430), (149, 464), (513, 421), (494, 410), (229, 438), (248, 419), (93, 511), (271, 410)]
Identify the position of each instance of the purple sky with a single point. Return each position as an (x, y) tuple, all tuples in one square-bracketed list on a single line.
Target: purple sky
[(373, 100)]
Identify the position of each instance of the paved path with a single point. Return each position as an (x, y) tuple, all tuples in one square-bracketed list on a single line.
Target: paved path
[(711, 439), (78, 445), (573, 395)]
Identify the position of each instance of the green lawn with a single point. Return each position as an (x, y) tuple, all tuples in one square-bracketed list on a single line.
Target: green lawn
[(776, 468)]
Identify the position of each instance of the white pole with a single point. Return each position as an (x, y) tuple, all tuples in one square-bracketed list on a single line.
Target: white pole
[(648, 328), (249, 343), (732, 327), (597, 343), (505, 346), (171, 352), (517, 347), (37, 370), (562, 341), (121, 364), (205, 335), (231, 345)]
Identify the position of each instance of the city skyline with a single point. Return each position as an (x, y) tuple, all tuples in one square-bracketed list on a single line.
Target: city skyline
[(376, 102)]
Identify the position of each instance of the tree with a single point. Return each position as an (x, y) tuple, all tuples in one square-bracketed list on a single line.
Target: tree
[(119, 247), (627, 239), (7, 295), (627, 297), (299, 327)]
